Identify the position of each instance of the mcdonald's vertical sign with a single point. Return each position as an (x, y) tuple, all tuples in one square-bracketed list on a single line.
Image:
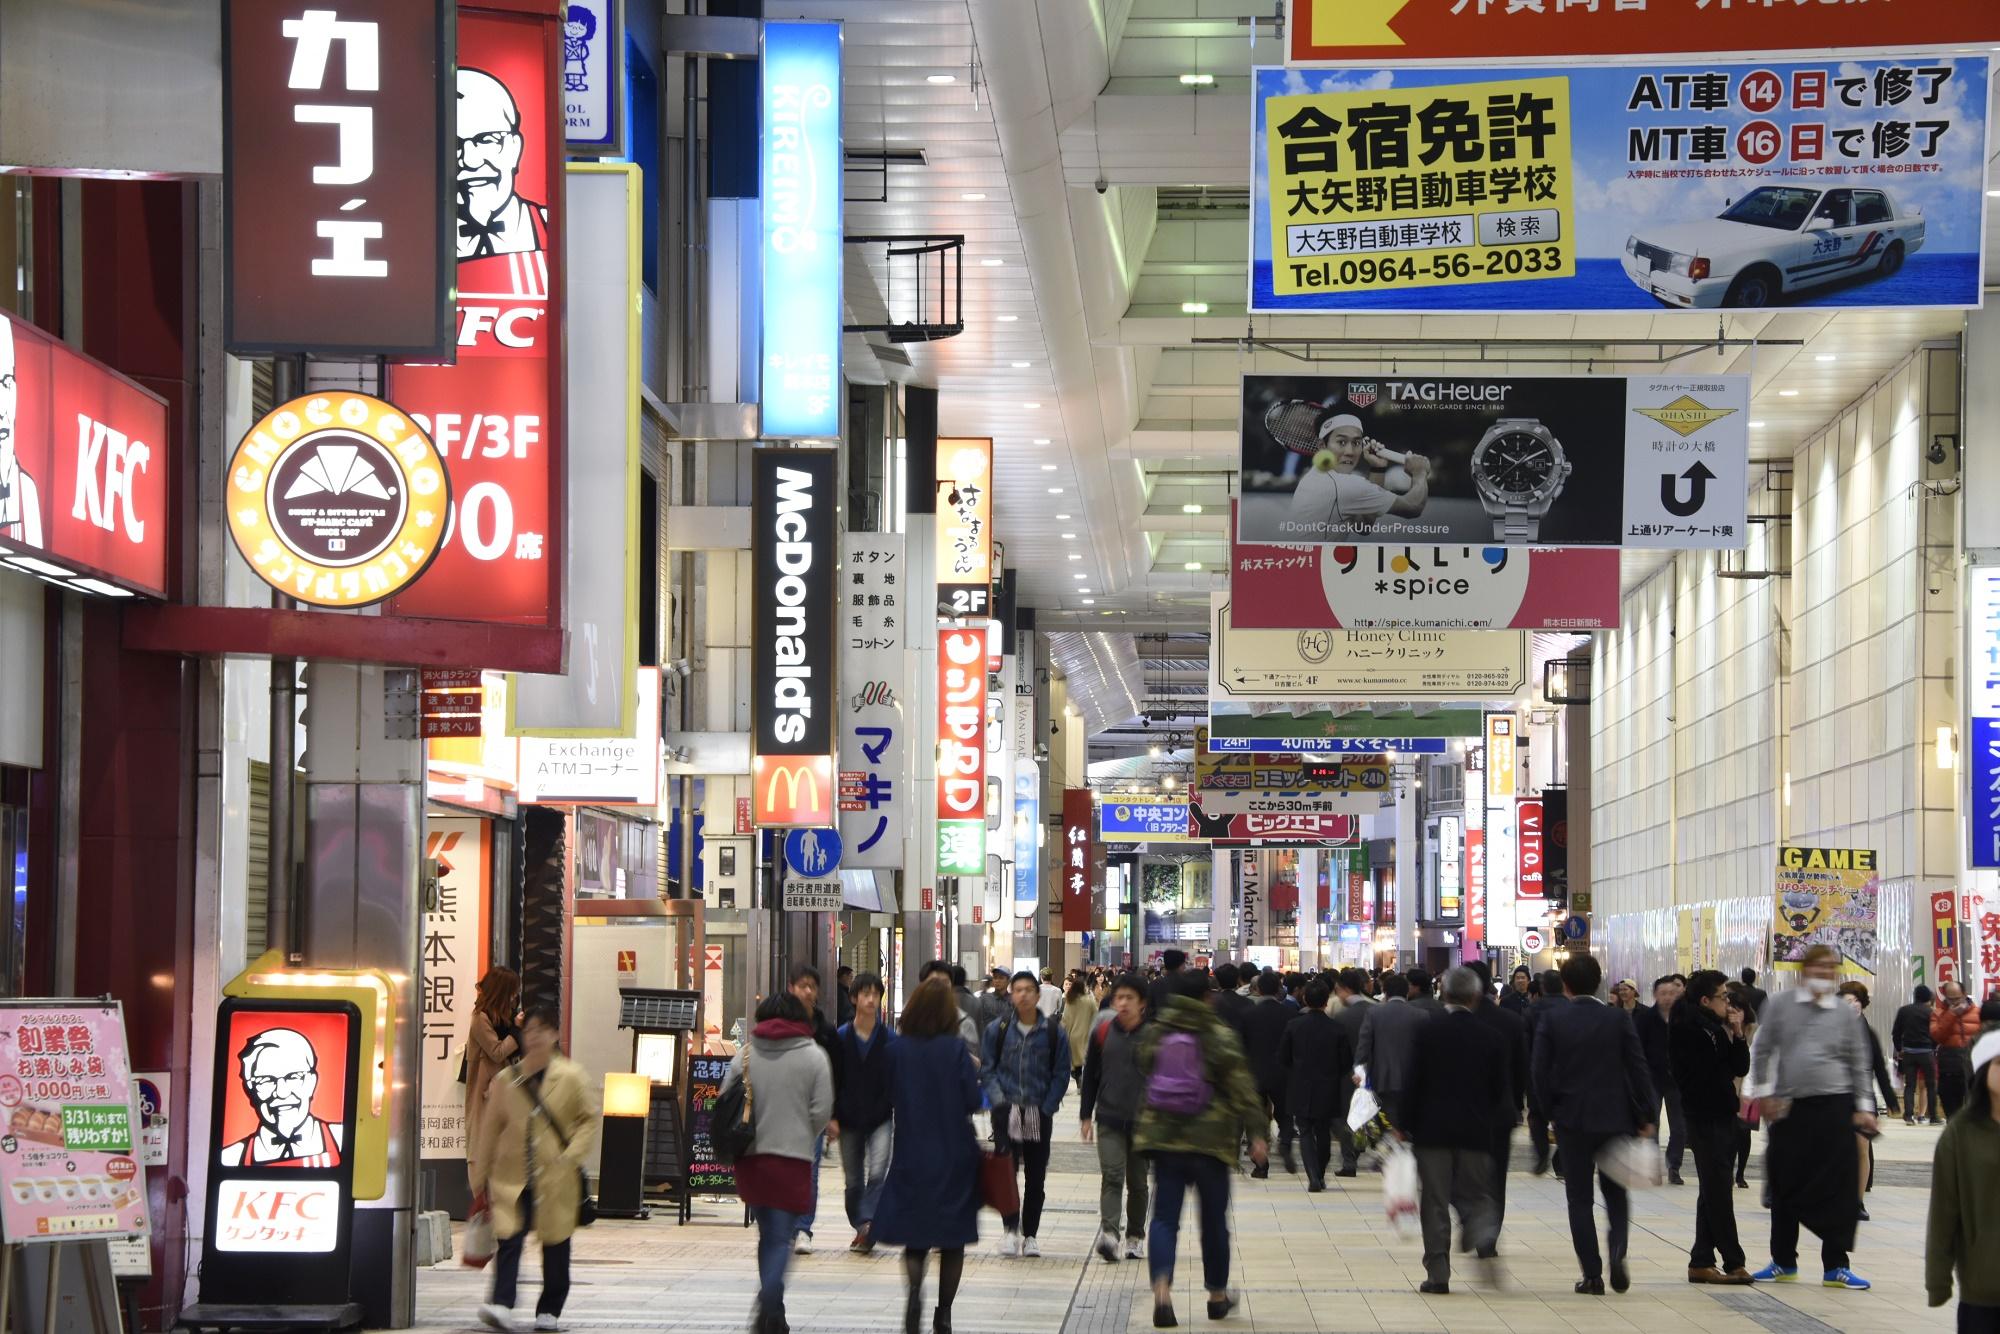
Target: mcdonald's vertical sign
[(794, 544)]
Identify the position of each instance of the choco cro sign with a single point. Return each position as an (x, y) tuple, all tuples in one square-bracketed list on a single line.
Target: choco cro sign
[(84, 463)]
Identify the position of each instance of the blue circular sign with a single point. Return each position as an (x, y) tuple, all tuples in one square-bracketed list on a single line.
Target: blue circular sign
[(814, 853), (1576, 928)]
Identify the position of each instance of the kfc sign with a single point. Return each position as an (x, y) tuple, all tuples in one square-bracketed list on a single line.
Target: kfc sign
[(794, 536), (497, 414), (84, 468), (335, 153), (281, 1217)]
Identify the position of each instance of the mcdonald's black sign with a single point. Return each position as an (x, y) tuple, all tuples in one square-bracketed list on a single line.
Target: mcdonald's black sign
[(795, 545)]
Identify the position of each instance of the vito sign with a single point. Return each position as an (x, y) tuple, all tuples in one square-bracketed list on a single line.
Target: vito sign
[(794, 531)]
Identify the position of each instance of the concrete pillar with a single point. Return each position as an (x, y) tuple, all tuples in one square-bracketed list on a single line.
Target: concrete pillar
[(1309, 859), (1406, 876)]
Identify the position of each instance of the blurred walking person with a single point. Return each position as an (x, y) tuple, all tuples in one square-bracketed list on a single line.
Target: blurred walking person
[(1459, 1094), (1388, 1044), (1025, 1070), (930, 1201), (1954, 1027), (1513, 1033), (805, 986), (1111, 1090), (1200, 1103), (1916, 1057), (791, 1091), (1263, 1031), (1709, 1053), (1548, 995), (1810, 1071), (861, 1101), (1351, 989), (492, 1042), (1962, 1238), (1653, 1021), (1079, 1016), (1316, 1057)]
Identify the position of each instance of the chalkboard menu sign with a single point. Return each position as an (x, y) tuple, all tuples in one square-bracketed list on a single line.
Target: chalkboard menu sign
[(706, 1174)]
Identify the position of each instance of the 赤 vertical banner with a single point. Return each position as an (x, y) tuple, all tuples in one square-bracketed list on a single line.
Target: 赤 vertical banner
[(961, 751), (874, 678), (601, 403), (802, 221), (451, 950), (1079, 856), (1528, 842), (336, 148), (964, 528), (496, 416), (794, 541)]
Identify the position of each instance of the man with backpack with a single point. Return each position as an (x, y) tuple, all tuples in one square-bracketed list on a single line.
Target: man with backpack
[(1200, 1103), (1112, 1089), (1024, 1067)]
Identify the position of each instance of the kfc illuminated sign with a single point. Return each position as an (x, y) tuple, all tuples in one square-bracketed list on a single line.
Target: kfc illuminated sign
[(335, 153), (84, 468), (794, 538), (263, 1217)]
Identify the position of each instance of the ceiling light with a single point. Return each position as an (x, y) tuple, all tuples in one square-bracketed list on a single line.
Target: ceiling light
[(1064, 518), (1788, 393), (973, 197), (1153, 752), (1993, 194), (1085, 590), (1041, 440), (1067, 537), (1167, 782), (99, 586), (1090, 602), (940, 79), (1006, 319), (1757, 425), (1192, 565), (1019, 365), (1194, 307), (1824, 356), (1076, 555), (1031, 406), (1055, 490), (1197, 80), (41, 567), (1190, 508), (1048, 467), (1079, 576)]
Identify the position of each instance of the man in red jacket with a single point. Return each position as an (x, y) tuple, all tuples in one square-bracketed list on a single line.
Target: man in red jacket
[(1955, 1027)]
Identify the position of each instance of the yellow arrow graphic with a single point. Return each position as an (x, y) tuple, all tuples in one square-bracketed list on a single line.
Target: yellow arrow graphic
[(1355, 22)]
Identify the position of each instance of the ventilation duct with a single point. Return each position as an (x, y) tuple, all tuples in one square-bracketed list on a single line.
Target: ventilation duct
[(1103, 675)]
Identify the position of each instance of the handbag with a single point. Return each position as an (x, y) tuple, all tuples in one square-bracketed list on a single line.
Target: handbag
[(1751, 1111), (1633, 1161), (479, 1244), (586, 1203), (1399, 1184), (997, 1188), (732, 1124)]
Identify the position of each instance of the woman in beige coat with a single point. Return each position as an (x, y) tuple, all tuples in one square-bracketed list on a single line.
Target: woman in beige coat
[(490, 1043), (536, 1133)]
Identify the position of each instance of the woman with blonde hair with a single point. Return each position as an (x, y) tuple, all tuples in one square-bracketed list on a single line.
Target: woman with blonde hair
[(493, 1041)]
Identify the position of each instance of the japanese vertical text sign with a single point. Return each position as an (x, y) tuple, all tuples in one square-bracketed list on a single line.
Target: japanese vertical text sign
[(794, 539), (1854, 182), (67, 1160), (1079, 857), (961, 751), (453, 956), (1500, 758), (497, 416), (800, 190), (965, 573), (1528, 847), (874, 678), (336, 148), (1982, 707)]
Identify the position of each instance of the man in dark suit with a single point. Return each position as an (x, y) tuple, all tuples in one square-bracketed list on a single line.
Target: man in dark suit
[(1388, 1043), (1231, 1006), (1651, 1021), (1513, 1031), (1548, 995), (1355, 1003), (1458, 1096), (1263, 1031), (1315, 1057), (1420, 991), (1171, 962), (1756, 993), (1591, 1078)]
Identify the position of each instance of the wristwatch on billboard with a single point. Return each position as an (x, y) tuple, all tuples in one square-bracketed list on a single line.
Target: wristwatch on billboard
[(1520, 468)]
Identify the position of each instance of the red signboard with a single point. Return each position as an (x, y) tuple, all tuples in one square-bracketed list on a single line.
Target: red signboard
[(1944, 937), (336, 152), (961, 724), (1316, 830), (743, 825), (496, 416), (1079, 859), (1528, 823), (1320, 31), (1475, 879), (791, 790), (84, 465)]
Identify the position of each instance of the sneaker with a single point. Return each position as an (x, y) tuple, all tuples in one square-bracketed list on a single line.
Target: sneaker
[(495, 1317), (802, 1244), (1135, 1249), (1845, 1278), (1776, 1273), (547, 1324), (1010, 1245), (1030, 1249), (1107, 1246)]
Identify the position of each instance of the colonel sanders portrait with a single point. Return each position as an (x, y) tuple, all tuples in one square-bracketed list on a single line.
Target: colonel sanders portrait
[(492, 218), (280, 1074), (20, 506)]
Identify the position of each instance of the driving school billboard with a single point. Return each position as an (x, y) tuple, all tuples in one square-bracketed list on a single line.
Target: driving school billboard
[(1589, 460), (1856, 183)]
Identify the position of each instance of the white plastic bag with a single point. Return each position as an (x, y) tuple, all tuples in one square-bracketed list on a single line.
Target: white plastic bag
[(478, 1245), (1634, 1162), (1362, 1110), (1399, 1183)]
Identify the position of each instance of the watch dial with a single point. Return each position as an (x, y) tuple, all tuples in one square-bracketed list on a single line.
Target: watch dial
[(1520, 463)]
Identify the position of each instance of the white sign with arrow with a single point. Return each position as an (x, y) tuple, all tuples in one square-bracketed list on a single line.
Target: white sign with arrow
[(1687, 458), (1361, 664)]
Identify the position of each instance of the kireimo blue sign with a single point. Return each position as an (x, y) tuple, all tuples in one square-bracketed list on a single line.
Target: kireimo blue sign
[(800, 191)]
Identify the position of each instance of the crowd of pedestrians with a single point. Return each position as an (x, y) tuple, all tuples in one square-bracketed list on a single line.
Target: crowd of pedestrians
[(1185, 1075)]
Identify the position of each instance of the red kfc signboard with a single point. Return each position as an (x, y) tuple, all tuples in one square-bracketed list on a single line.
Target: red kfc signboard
[(961, 753), (1528, 823), (84, 467), (1079, 858), (496, 416)]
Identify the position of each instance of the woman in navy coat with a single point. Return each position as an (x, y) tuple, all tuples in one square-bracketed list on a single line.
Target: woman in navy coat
[(931, 1200)]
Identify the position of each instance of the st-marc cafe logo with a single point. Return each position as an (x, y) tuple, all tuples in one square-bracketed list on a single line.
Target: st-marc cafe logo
[(1685, 415)]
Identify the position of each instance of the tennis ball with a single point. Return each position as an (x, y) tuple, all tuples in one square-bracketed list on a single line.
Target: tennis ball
[(1324, 461)]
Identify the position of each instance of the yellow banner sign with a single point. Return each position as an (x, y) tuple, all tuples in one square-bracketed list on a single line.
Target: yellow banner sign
[(1419, 187)]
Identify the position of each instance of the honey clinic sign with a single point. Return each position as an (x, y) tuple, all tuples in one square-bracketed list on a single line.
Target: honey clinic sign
[(338, 499)]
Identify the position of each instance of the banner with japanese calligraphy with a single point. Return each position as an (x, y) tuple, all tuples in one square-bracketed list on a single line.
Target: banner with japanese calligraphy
[(964, 528), (1855, 183), (1392, 664), (961, 751), (1079, 857), (452, 949), (1297, 587), (1494, 461), (874, 727)]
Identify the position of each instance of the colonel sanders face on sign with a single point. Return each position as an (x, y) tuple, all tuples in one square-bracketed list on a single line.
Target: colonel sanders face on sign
[(492, 218), (10, 463), (281, 1075)]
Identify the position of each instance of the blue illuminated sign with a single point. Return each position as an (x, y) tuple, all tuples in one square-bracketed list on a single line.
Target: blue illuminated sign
[(1027, 826), (800, 192), (1326, 745), (1982, 707), (1142, 820)]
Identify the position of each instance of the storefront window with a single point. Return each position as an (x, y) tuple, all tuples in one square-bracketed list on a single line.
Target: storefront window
[(14, 866)]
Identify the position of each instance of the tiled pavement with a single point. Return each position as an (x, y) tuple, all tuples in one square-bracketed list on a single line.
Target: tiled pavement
[(1304, 1264)]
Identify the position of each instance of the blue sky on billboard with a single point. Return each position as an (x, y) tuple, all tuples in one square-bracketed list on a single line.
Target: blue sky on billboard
[(801, 201)]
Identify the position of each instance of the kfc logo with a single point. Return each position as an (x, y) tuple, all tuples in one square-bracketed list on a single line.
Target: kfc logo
[(106, 462), (260, 1216), (280, 1073), (492, 218), (20, 505)]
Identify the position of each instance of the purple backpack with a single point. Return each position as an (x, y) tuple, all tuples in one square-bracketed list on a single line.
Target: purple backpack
[(1179, 1084)]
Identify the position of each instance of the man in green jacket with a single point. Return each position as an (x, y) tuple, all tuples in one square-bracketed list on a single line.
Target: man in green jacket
[(1964, 1231), (1200, 1103)]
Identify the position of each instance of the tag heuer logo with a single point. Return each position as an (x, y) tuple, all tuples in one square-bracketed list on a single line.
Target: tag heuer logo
[(1361, 395), (1685, 415)]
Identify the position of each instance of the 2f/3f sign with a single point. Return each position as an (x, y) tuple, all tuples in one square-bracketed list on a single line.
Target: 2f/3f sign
[(800, 172), (336, 149), (793, 553)]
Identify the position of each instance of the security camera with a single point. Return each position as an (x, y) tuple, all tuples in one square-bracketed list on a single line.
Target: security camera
[(1102, 185)]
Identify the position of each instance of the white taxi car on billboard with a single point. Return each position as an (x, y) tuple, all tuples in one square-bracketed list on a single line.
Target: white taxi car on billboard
[(1774, 242)]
